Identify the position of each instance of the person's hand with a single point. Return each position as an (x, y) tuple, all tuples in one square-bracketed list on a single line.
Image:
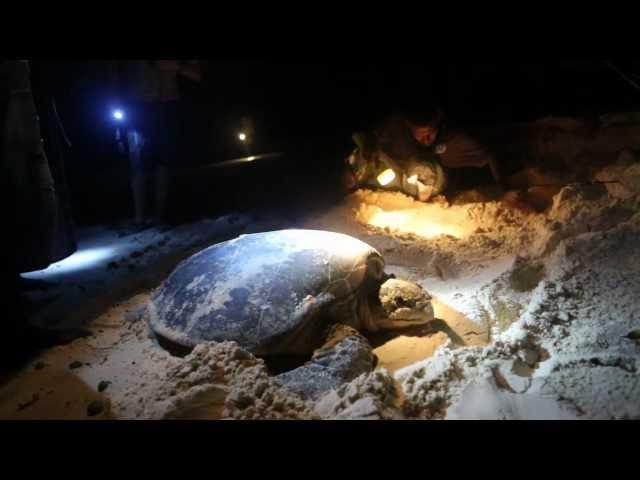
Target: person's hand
[(348, 182)]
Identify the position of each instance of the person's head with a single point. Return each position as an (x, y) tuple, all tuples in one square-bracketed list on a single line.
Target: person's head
[(425, 128)]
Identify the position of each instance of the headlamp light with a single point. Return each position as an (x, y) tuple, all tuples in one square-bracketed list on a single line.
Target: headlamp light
[(118, 114), (386, 177)]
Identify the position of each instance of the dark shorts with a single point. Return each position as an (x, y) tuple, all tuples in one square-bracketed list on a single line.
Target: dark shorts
[(463, 151), (160, 125)]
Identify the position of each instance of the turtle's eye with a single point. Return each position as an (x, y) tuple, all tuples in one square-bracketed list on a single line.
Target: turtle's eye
[(400, 301)]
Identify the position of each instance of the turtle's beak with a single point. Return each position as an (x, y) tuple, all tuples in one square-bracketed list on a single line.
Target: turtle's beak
[(403, 318)]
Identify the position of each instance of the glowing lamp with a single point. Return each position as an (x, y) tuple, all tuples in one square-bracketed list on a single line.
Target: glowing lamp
[(386, 177), (118, 114), (242, 136)]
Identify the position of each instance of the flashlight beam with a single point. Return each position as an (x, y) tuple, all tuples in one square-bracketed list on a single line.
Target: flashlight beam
[(233, 163)]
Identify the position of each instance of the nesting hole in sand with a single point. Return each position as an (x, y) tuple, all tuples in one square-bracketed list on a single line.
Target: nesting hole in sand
[(399, 348), (382, 337)]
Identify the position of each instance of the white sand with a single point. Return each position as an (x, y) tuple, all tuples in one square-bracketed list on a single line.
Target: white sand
[(534, 310)]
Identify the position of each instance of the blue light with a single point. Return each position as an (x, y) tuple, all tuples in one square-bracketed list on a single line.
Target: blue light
[(118, 114)]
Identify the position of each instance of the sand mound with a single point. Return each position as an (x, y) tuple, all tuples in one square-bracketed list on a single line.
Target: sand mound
[(537, 318), (567, 351)]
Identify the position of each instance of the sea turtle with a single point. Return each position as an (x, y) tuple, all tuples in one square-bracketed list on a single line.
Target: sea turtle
[(278, 293)]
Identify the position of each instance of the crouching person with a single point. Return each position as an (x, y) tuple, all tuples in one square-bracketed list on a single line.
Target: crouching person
[(453, 147), (379, 163), (420, 151)]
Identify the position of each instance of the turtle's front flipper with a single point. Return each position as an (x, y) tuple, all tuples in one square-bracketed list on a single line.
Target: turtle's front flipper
[(335, 334), (344, 356), (310, 320)]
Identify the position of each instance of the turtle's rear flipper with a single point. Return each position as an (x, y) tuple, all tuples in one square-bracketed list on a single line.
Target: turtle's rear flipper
[(336, 334)]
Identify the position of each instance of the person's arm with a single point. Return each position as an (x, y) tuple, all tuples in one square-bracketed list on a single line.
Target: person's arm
[(495, 171), (191, 70), (115, 86), (59, 123)]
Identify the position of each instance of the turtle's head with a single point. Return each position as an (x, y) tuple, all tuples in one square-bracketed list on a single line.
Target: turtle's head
[(405, 304)]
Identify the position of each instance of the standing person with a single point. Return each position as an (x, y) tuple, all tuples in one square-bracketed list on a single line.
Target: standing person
[(153, 120), (46, 78), (31, 209), (20, 147), (28, 185)]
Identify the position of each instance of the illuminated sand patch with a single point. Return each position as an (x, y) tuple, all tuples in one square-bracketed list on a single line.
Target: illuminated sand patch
[(402, 214), (410, 221), (407, 350)]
